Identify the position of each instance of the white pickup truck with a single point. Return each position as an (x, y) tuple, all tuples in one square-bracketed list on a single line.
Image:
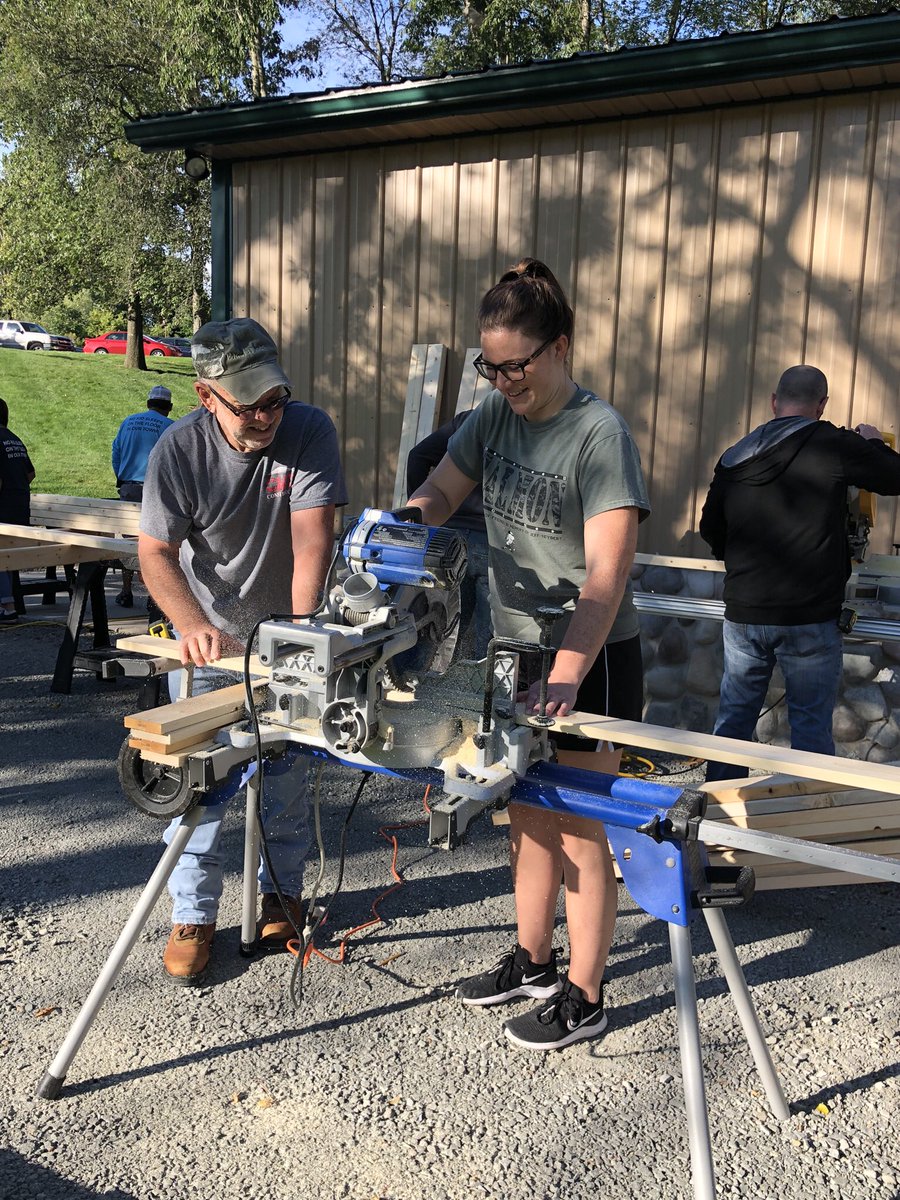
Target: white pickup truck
[(30, 336)]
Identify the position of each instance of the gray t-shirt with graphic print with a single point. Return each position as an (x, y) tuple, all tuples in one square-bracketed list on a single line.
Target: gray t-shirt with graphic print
[(541, 480), (230, 511)]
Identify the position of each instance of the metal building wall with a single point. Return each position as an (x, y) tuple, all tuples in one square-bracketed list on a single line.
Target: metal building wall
[(703, 253)]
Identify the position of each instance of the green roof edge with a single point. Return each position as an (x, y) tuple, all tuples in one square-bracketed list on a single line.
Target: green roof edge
[(727, 59)]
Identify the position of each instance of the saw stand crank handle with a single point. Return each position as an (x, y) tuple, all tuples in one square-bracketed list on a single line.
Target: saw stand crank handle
[(547, 615)]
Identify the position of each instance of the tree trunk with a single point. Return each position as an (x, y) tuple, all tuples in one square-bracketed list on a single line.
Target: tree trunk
[(134, 350)]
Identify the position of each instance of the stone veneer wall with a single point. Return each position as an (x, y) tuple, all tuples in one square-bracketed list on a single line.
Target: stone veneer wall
[(683, 669)]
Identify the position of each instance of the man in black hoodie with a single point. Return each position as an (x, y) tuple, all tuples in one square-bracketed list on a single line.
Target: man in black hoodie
[(777, 514)]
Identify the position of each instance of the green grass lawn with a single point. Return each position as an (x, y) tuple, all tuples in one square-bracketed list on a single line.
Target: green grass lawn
[(66, 408)]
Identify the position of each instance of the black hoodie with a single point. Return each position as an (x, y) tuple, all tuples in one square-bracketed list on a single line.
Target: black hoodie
[(777, 514)]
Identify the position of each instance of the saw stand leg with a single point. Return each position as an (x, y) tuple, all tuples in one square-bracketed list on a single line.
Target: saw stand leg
[(702, 1175), (51, 1084), (251, 861)]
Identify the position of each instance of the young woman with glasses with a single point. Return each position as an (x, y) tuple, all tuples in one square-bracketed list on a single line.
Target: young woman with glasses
[(563, 495)]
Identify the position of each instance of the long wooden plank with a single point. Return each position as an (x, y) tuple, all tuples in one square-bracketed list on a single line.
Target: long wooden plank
[(782, 883), (33, 558), (169, 760), (815, 804), (683, 564), (868, 814), (423, 403), (114, 547), (844, 771), (168, 718), (723, 791), (145, 643), (831, 825), (772, 865)]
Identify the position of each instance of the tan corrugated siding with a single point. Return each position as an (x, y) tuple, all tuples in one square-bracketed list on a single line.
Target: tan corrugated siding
[(703, 254)]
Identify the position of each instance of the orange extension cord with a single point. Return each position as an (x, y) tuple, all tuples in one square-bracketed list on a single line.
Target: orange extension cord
[(387, 832)]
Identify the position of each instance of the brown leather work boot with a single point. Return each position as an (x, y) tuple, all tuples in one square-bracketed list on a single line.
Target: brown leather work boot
[(274, 930), (186, 955)]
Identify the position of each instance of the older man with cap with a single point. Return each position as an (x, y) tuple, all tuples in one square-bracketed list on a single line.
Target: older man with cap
[(137, 436), (237, 523)]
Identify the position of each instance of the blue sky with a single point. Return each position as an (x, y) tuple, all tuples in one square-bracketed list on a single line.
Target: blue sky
[(297, 29)]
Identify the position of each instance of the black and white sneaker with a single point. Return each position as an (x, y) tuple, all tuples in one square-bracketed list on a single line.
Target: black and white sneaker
[(514, 975), (568, 1018)]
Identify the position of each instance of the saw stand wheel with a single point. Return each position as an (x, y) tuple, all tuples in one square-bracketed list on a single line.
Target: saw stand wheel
[(156, 789)]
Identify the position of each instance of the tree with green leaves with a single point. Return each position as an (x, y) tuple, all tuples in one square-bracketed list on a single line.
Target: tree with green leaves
[(80, 208)]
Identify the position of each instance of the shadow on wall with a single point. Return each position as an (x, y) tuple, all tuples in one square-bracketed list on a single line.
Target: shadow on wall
[(702, 255)]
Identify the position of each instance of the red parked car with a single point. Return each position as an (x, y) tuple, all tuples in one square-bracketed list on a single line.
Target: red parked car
[(115, 343)]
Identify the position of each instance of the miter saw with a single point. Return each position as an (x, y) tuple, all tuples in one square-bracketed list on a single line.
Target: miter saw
[(367, 681)]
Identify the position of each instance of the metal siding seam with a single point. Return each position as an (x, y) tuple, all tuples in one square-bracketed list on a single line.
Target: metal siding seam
[(620, 252), (757, 261), (871, 144), (223, 241), (815, 157)]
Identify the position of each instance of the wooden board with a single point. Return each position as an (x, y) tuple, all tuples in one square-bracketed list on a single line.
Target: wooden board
[(427, 364), (844, 771), (112, 547), (774, 883), (758, 787), (145, 643), (168, 760), (86, 513), (188, 735), (879, 813), (35, 557), (472, 387), (764, 865), (169, 718), (682, 564)]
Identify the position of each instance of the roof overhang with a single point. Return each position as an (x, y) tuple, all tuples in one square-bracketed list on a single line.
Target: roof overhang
[(839, 55)]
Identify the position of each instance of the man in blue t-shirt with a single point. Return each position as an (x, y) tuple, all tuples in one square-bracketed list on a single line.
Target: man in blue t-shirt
[(137, 436)]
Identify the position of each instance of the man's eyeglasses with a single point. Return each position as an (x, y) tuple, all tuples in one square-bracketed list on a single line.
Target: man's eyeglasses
[(247, 412), (513, 371)]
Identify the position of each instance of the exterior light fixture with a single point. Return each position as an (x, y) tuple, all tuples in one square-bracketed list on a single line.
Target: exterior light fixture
[(195, 165)]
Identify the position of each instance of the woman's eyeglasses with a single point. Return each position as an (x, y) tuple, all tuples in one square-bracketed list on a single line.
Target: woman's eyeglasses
[(513, 371), (247, 412)]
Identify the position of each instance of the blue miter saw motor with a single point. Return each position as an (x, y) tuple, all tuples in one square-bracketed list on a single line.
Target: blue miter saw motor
[(396, 548)]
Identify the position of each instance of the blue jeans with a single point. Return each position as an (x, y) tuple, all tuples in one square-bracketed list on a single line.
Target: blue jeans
[(196, 883), (811, 660)]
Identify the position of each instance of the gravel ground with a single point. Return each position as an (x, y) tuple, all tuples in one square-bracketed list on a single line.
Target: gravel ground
[(381, 1086)]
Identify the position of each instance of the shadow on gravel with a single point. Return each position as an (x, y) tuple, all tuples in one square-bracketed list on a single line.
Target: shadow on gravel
[(24, 1178), (860, 1084), (89, 1086)]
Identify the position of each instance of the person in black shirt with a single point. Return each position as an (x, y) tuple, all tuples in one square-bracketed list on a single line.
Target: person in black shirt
[(16, 474), (776, 513)]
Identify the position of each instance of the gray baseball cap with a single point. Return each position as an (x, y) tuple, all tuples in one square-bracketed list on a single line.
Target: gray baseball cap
[(240, 355), (161, 393)]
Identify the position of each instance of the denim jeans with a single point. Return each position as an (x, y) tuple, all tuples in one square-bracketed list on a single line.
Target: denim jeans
[(811, 659), (196, 883)]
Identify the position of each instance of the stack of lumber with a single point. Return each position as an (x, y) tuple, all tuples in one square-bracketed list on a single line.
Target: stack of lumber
[(855, 818), (172, 732)]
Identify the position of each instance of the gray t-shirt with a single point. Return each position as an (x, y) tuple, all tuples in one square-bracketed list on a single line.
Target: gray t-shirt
[(230, 511), (541, 480)]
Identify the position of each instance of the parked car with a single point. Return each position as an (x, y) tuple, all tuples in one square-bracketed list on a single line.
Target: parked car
[(115, 343), (181, 344), (31, 336)]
